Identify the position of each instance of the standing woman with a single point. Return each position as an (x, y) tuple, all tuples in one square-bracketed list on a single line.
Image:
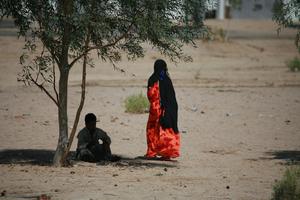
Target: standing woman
[(163, 137)]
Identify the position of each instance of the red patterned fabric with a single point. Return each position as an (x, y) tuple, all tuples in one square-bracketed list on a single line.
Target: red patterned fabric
[(161, 142)]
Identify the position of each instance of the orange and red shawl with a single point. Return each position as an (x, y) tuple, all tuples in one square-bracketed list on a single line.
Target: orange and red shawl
[(161, 141)]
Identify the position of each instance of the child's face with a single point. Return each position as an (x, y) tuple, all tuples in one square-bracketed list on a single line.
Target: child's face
[(91, 126)]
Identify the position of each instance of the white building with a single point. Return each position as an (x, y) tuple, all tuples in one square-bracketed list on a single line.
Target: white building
[(248, 9)]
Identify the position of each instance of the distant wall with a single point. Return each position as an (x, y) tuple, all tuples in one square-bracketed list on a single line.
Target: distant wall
[(254, 9)]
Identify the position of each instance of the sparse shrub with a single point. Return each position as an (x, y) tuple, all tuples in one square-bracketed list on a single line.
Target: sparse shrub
[(294, 64), (136, 103), (289, 187), (221, 35), (216, 34)]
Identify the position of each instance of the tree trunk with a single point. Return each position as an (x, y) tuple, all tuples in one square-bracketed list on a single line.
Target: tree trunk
[(62, 145), (58, 161), (83, 83)]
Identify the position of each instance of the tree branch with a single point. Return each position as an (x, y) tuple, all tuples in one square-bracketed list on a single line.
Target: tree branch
[(54, 83), (102, 47), (39, 71), (43, 89), (53, 54), (50, 49)]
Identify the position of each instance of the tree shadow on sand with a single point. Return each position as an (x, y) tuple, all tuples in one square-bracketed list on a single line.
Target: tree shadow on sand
[(141, 162), (44, 157), (287, 155), (26, 156)]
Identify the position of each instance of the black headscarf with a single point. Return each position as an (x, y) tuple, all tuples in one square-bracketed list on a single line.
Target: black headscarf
[(167, 95)]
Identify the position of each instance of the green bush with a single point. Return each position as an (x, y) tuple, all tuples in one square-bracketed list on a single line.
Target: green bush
[(136, 103), (289, 187), (294, 64)]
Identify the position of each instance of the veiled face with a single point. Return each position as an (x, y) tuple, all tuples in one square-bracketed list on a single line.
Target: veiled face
[(160, 65)]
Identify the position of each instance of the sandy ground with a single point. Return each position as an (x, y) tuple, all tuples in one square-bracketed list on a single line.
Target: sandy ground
[(238, 115)]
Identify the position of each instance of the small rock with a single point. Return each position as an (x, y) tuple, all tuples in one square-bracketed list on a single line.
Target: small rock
[(287, 121), (122, 123), (202, 112), (45, 123), (116, 185), (72, 172), (194, 109), (227, 187), (165, 169), (113, 119), (114, 175), (228, 114), (3, 193), (44, 197), (19, 117), (185, 186), (56, 190)]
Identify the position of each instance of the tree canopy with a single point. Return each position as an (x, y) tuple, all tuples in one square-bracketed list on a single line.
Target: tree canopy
[(115, 26)]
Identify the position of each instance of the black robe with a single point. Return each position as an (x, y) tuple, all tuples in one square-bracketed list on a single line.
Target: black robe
[(168, 101)]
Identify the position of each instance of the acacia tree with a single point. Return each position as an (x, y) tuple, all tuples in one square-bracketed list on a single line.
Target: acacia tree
[(68, 30), (287, 14)]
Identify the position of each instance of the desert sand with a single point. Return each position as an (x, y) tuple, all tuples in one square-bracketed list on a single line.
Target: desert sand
[(239, 112)]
